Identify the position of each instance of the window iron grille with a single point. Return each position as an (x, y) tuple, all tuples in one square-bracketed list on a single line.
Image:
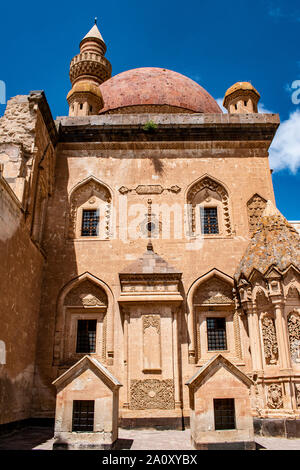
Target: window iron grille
[(86, 336), (90, 223), (216, 334), (224, 411), (209, 220), (83, 416)]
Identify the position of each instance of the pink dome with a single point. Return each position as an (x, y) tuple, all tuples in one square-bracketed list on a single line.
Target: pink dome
[(155, 86)]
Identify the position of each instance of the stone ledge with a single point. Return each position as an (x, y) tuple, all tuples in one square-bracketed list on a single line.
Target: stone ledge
[(287, 428), (195, 119), (241, 445), (170, 127)]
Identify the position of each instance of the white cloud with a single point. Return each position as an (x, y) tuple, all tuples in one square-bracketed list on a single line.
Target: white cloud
[(220, 103), (263, 110), (285, 148)]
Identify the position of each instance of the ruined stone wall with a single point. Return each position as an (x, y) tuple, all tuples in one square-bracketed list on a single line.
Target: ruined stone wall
[(17, 136), (20, 281), (23, 139)]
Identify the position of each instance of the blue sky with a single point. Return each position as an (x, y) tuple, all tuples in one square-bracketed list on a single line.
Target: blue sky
[(216, 43)]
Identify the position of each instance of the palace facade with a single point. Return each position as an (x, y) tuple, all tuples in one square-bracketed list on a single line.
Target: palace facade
[(142, 231)]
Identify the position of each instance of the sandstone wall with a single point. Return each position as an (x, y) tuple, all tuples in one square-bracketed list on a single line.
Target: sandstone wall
[(241, 167), (24, 136), (20, 274)]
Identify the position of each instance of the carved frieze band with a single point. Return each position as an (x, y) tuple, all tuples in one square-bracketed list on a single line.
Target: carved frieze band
[(149, 189), (152, 394)]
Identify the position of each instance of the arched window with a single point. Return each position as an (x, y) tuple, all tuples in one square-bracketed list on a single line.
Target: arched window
[(90, 211), (216, 327), (208, 204), (84, 322)]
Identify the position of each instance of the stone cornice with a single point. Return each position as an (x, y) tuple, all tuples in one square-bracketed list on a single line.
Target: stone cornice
[(170, 127), (216, 148)]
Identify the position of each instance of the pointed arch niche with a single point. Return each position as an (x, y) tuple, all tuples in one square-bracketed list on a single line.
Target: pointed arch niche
[(207, 193), (211, 297), (91, 194), (85, 298)]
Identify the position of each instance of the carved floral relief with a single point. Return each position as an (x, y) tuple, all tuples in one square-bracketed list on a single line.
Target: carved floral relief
[(294, 335), (275, 398)]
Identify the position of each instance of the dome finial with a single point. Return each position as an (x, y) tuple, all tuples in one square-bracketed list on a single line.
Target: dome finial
[(96, 19)]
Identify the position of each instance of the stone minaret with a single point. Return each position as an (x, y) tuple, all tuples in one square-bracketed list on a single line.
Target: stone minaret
[(88, 70), (241, 98)]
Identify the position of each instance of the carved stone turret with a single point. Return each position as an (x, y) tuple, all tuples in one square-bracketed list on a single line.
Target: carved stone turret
[(241, 98)]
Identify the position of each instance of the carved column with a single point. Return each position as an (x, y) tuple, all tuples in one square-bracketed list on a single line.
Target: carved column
[(282, 337), (176, 360), (110, 334), (191, 333), (254, 337), (257, 340), (126, 358)]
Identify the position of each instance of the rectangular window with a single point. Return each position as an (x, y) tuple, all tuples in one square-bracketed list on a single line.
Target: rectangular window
[(86, 336), (90, 223), (224, 414), (209, 220), (83, 416), (216, 334)]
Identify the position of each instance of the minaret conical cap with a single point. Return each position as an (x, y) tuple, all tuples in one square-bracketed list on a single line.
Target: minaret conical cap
[(94, 33)]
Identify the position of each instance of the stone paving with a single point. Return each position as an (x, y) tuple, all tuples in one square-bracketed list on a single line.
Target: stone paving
[(41, 438)]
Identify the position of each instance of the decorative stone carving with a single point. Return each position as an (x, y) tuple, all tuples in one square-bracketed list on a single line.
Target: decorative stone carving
[(275, 399), (293, 293), (151, 320), (124, 190), (86, 294), (152, 394), (294, 335), (255, 206), (149, 189), (214, 291), (237, 336), (209, 184), (88, 191), (269, 340)]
